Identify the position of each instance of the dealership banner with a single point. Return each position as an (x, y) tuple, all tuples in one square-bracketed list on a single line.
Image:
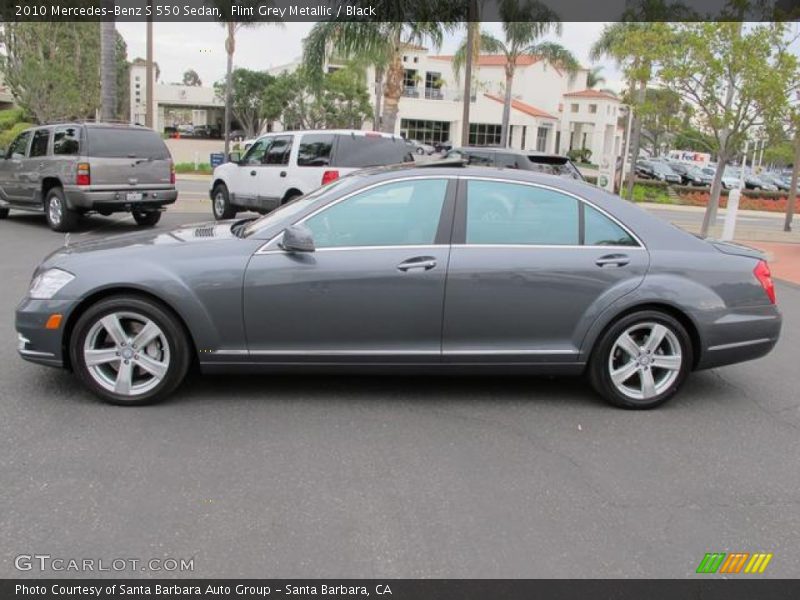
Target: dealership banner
[(445, 11), (402, 589)]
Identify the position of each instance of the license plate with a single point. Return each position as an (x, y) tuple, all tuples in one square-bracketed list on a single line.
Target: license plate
[(133, 196)]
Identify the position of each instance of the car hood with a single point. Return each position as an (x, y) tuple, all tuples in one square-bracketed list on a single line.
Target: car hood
[(196, 233)]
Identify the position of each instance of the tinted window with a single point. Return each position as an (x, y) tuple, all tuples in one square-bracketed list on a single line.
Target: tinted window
[(599, 230), (255, 154), (508, 213), (361, 151), (395, 214), (113, 142), (506, 161), (278, 152), (19, 147), (554, 165), (66, 140), (315, 150), (39, 145), (480, 159)]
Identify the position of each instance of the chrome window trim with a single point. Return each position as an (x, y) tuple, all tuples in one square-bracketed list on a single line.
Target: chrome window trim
[(377, 352), (542, 246), (266, 249), (566, 193)]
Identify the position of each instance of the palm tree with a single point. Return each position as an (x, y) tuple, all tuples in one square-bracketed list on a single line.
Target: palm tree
[(378, 43), (108, 69), (521, 39), (594, 78), (624, 43)]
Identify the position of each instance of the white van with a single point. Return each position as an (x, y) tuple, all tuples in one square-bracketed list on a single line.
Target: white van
[(279, 167)]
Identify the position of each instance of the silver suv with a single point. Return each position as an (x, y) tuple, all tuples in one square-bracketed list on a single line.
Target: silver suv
[(70, 169)]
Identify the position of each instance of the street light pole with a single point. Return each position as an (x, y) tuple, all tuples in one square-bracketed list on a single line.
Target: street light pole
[(149, 120)]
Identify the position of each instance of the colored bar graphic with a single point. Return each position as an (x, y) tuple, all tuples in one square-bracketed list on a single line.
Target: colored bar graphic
[(758, 563), (711, 562), (734, 562)]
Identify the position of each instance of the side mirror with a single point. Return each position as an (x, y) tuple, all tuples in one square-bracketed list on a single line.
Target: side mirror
[(297, 238), (234, 157)]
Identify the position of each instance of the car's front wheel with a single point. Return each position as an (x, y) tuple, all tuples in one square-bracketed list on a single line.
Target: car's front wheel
[(221, 204), (641, 360), (147, 218), (129, 350), (59, 216)]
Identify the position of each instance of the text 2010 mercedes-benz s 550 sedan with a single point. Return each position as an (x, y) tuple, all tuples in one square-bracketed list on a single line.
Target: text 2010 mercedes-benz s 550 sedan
[(447, 269)]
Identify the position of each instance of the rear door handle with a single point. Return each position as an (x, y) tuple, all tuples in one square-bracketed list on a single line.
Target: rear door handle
[(283, 173), (613, 260), (253, 172), (424, 263)]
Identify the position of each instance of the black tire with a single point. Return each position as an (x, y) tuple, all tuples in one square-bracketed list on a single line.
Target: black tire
[(4, 213), (59, 216), (601, 361), (175, 354), (146, 218), (221, 203)]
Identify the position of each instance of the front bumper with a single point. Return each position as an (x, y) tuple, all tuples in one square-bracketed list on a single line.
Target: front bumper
[(116, 200), (35, 342)]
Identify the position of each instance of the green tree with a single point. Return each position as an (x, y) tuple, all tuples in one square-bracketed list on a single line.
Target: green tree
[(379, 43), (108, 66), (663, 115), (734, 79), (594, 77), (191, 78), (246, 93), (123, 75), (53, 68), (521, 39)]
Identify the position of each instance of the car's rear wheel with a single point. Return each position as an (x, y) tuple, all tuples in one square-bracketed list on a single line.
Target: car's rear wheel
[(146, 218), (129, 350), (641, 360), (3, 213), (221, 204), (59, 216)]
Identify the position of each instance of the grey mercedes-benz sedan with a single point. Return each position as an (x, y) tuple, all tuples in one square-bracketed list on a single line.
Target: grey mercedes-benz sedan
[(418, 269)]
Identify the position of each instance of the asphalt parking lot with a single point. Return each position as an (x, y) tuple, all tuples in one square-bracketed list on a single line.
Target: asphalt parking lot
[(394, 477)]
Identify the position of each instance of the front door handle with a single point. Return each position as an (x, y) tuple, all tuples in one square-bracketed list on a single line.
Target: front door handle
[(253, 172), (283, 173), (613, 260), (423, 263)]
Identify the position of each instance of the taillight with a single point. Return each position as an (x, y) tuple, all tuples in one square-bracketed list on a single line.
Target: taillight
[(82, 176), (764, 277), (329, 176), (172, 172)]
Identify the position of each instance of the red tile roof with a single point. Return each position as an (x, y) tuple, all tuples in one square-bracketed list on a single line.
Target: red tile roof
[(494, 60), (592, 94), (523, 107)]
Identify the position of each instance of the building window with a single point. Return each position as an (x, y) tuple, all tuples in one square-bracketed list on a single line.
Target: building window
[(410, 83), (433, 85), (425, 131), (541, 139), (593, 109), (484, 134), (573, 107), (405, 59), (416, 59), (333, 70), (524, 134)]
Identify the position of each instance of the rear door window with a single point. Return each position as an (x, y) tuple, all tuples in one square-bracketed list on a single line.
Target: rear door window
[(111, 142), (360, 151), (41, 137), (315, 150), (480, 159), (66, 140), (599, 230), (278, 152)]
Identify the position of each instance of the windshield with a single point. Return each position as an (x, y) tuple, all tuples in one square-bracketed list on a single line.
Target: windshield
[(298, 205), (554, 165)]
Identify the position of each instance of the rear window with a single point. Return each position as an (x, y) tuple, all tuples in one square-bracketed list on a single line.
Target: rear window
[(125, 143), (361, 151), (554, 165), (66, 140)]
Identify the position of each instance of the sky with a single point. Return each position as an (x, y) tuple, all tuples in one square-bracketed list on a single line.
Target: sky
[(201, 46)]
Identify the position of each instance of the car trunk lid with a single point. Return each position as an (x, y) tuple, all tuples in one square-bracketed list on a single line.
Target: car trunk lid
[(127, 158), (737, 249)]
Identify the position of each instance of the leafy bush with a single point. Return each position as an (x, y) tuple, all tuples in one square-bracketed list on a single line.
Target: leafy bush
[(581, 155), (7, 136), (10, 117), (188, 167)]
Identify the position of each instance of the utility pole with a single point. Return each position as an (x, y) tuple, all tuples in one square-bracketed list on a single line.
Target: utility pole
[(149, 119), (791, 197), (472, 19)]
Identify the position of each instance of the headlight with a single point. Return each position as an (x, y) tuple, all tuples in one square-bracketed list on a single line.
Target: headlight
[(45, 285)]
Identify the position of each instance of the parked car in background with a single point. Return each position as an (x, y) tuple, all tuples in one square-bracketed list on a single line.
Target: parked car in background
[(690, 173), (70, 169), (420, 148), (658, 170), (752, 181), (553, 164), (279, 167), (775, 179), (644, 169), (542, 275)]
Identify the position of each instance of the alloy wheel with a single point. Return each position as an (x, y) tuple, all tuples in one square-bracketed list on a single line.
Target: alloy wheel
[(219, 203), (54, 210), (645, 360), (126, 353)]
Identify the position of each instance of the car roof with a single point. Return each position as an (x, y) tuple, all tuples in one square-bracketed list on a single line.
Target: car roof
[(353, 132), (495, 149)]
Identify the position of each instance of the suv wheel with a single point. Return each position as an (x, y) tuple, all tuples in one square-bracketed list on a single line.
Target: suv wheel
[(59, 216), (129, 350), (221, 204), (146, 218), (641, 360), (3, 213)]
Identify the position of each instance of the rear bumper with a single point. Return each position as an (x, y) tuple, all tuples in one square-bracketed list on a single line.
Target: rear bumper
[(740, 336), (36, 343), (117, 201)]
